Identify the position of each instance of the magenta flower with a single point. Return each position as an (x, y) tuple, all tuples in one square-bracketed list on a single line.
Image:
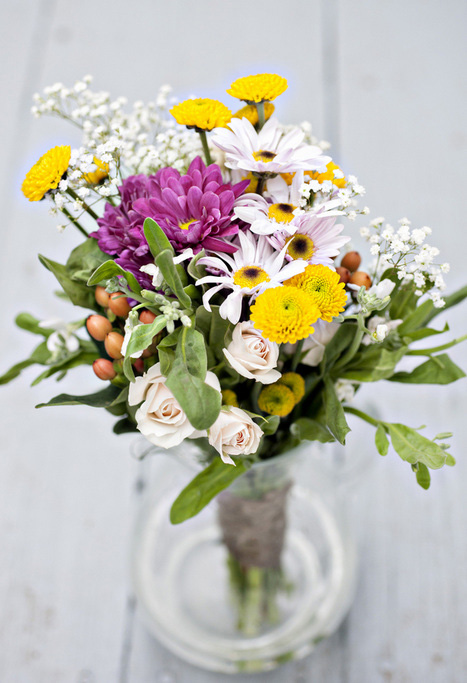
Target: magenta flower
[(194, 210)]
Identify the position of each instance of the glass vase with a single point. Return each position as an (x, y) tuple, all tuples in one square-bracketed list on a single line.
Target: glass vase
[(262, 574)]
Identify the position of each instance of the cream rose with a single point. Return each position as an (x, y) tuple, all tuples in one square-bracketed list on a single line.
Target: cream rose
[(234, 433), (160, 417), (251, 355)]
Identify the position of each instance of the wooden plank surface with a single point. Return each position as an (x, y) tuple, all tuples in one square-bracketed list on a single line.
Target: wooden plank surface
[(387, 82)]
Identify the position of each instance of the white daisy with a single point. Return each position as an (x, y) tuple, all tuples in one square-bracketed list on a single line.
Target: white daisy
[(254, 267), (312, 237), (267, 216), (269, 151)]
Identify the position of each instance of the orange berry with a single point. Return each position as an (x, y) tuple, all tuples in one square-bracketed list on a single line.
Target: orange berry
[(104, 369), (118, 304), (361, 279), (351, 261), (344, 274), (146, 317), (98, 326), (113, 345), (102, 297)]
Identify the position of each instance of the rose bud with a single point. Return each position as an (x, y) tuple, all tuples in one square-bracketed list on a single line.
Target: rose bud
[(119, 305), (146, 317), (138, 365), (113, 345), (98, 326), (104, 369), (351, 261), (344, 274), (102, 297), (361, 279)]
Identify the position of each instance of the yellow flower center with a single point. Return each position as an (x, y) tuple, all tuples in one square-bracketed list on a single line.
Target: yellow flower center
[(300, 247), (282, 213), (185, 226), (264, 155), (250, 276)]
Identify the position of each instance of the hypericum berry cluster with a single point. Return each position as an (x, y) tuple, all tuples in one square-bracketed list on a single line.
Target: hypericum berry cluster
[(409, 253)]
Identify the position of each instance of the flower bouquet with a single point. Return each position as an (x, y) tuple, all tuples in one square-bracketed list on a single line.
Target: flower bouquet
[(229, 310)]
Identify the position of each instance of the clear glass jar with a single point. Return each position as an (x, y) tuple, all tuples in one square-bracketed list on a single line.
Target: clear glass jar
[(263, 573)]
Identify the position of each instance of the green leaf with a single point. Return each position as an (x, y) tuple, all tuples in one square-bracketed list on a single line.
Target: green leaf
[(81, 357), (110, 269), (335, 416), (28, 322), (413, 447), (381, 440), (200, 402), (373, 363), (203, 488), (84, 260), (101, 399), (164, 261), (79, 293), (156, 238), (124, 426), (142, 335), (450, 301), (416, 319), (423, 332), (306, 429), (423, 475), (196, 271), (403, 302), (436, 370), (270, 425), (166, 351), (15, 370), (341, 340)]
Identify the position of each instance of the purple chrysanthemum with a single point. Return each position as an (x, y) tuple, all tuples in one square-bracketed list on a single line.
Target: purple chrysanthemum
[(194, 210)]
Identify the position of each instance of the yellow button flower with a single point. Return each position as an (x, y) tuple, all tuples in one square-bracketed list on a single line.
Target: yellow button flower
[(250, 112), (202, 114), (46, 173), (259, 88), (329, 175), (284, 314), (323, 285), (276, 399), (101, 172), (229, 398), (295, 383)]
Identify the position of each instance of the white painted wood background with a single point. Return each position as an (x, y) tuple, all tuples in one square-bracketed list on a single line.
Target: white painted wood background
[(386, 81)]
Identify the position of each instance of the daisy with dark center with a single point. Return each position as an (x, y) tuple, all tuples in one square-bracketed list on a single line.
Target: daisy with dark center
[(46, 173), (323, 286), (312, 237), (268, 151), (253, 268)]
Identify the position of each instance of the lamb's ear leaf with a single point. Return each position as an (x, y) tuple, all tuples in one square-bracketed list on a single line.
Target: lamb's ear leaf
[(78, 293), (110, 269), (156, 238), (204, 487)]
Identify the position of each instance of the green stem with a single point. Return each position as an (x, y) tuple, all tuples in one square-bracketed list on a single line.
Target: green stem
[(260, 186), (353, 348), (204, 142), (75, 222), (87, 208), (362, 416), (435, 349), (297, 355), (261, 117)]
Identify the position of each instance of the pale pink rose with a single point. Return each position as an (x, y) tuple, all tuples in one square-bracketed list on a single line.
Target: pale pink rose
[(234, 433), (251, 355), (160, 417)]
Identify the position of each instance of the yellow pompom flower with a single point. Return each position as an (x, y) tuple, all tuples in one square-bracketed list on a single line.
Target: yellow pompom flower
[(202, 114), (101, 172), (328, 175), (46, 173), (259, 88), (250, 112), (284, 314), (323, 286), (229, 398), (295, 383), (276, 399)]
